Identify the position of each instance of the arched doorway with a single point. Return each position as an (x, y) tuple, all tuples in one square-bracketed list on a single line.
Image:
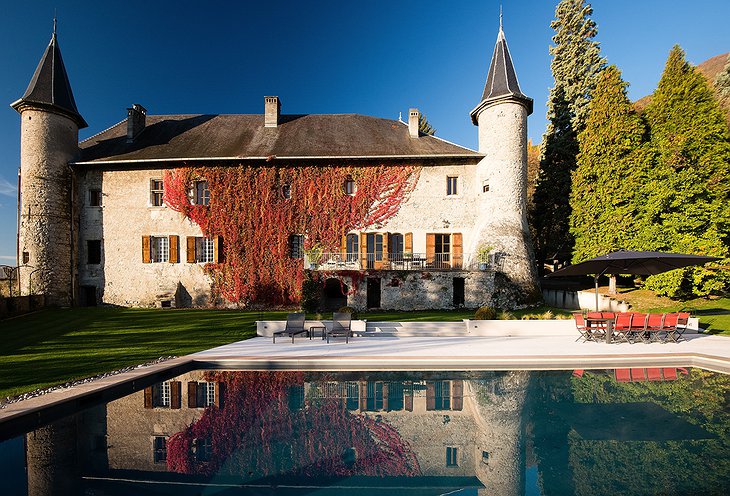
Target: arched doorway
[(335, 295)]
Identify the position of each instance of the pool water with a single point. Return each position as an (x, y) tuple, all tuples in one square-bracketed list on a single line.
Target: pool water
[(468, 433)]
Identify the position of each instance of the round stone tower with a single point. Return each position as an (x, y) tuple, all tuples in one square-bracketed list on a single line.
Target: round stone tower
[(50, 126), (502, 174)]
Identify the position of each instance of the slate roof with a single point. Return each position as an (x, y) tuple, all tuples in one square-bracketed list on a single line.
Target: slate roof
[(502, 79), (180, 137), (49, 86)]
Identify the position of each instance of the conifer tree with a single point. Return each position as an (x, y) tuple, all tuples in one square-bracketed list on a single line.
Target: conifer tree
[(575, 66), (687, 194), (606, 198), (424, 126)]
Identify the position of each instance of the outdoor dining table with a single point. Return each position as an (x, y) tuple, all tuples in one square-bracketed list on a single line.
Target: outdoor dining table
[(597, 321)]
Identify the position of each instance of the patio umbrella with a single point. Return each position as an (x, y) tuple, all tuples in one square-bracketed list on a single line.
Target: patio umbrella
[(631, 262)]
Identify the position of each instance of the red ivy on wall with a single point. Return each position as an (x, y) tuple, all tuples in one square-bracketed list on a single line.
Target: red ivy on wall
[(258, 433), (250, 212)]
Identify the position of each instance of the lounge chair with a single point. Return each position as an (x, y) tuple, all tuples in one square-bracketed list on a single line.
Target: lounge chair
[(341, 326), (294, 326)]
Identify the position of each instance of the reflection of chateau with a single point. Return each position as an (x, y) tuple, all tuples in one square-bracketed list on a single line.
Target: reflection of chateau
[(456, 429)]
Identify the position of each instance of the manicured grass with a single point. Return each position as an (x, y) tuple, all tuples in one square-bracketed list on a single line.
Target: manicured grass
[(58, 345)]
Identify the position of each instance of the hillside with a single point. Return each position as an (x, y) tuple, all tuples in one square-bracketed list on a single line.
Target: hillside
[(710, 68)]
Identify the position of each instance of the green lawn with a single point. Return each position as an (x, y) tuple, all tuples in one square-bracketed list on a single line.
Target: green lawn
[(59, 345)]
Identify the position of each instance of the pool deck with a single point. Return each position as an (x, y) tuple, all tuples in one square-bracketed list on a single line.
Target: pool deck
[(465, 353), (535, 351)]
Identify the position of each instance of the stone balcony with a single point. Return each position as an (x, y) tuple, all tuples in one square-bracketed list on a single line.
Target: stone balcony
[(403, 261)]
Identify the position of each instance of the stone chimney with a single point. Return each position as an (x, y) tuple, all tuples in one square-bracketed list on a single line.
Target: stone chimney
[(272, 110), (413, 117), (136, 117)]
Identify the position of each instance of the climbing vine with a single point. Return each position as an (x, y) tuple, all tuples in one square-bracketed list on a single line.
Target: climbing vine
[(265, 428), (254, 209)]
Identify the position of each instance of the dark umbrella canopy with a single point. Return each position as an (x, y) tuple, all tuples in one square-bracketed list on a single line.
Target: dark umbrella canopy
[(632, 262)]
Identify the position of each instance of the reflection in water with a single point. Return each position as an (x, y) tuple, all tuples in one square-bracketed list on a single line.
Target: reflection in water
[(411, 433)]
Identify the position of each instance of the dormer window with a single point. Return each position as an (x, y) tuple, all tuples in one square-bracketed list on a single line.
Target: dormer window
[(349, 186)]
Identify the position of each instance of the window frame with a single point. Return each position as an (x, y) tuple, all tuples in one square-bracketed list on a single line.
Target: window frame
[(452, 456), (452, 185), (296, 246), (159, 453), (201, 192), (204, 250), (157, 192), (352, 247), (159, 253), (96, 251), (95, 197), (349, 186)]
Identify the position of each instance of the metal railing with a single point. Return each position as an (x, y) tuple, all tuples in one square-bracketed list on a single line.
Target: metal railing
[(404, 261)]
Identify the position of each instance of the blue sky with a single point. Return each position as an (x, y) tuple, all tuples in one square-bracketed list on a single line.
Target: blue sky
[(376, 58)]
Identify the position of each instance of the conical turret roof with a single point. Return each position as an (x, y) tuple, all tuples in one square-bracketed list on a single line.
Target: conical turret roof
[(49, 87), (502, 81)]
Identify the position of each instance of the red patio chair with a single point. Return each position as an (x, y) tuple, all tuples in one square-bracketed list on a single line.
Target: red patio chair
[(622, 326), (669, 328), (654, 374), (654, 326), (638, 327), (578, 373), (669, 374), (622, 375), (583, 329), (682, 322), (597, 329), (638, 375)]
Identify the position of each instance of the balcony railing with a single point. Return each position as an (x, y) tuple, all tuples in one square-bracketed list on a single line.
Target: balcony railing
[(403, 261)]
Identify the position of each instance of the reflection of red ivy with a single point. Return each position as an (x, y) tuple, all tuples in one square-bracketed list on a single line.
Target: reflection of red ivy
[(254, 220), (256, 433)]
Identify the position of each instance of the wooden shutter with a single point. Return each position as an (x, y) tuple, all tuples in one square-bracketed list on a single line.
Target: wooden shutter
[(386, 244), (430, 248), (363, 396), (190, 242), (343, 247), (457, 393), (192, 394), (409, 397), (363, 251), (146, 249), (408, 243), (219, 392), (430, 396), (457, 250), (175, 390), (148, 397), (174, 251), (217, 249), (386, 390)]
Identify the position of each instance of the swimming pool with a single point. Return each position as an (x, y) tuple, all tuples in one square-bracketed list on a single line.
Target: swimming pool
[(615, 431)]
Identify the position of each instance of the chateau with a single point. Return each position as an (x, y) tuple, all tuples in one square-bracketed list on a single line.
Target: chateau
[(194, 210)]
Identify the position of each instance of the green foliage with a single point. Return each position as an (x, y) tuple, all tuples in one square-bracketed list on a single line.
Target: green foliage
[(576, 64), (485, 313), (311, 294), (424, 126), (687, 192), (606, 198)]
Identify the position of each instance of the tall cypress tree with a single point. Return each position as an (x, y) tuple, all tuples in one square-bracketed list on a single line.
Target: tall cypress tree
[(687, 194), (575, 66), (606, 199)]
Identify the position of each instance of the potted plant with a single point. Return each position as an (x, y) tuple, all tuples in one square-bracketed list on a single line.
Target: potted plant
[(314, 256), (483, 256)]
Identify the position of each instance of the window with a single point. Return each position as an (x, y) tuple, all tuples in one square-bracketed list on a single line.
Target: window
[(161, 395), (349, 186), (452, 185), (156, 193), (159, 449), (443, 249), (485, 187), (452, 456), (395, 246), (438, 395), (160, 249), (202, 449), (93, 252), (205, 394), (26, 257), (352, 245), (95, 197), (296, 246), (286, 191), (202, 193), (204, 249)]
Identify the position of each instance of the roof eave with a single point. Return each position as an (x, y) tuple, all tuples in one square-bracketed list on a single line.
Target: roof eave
[(523, 100), (22, 104)]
